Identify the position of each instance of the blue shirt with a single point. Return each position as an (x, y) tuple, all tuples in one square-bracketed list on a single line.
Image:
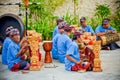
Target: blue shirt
[(88, 28), (55, 31), (13, 50), (102, 29), (6, 43), (63, 44), (54, 46), (73, 51)]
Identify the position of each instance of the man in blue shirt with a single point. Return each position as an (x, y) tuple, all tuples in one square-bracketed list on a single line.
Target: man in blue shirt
[(103, 30), (59, 20), (64, 43), (72, 59), (85, 27), (55, 40), (14, 53), (6, 43)]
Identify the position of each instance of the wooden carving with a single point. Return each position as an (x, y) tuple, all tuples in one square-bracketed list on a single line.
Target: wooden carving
[(97, 61), (35, 63), (33, 39)]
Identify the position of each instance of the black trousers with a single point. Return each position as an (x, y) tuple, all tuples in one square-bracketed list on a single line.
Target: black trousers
[(112, 46), (24, 63)]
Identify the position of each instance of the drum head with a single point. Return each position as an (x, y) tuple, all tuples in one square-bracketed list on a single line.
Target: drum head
[(47, 41), (10, 20)]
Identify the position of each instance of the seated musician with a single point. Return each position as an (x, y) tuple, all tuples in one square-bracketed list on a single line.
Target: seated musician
[(15, 60), (64, 42), (85, 27), (55, 40), (6, 43), (56, 31), (73, 62), (103, 30)]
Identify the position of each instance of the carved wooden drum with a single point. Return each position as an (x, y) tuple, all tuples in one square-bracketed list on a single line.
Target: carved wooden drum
[(47, 46), (109, 38)]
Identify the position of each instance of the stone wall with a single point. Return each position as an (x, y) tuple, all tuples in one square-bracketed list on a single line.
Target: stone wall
[(85, 7), (14, 9)]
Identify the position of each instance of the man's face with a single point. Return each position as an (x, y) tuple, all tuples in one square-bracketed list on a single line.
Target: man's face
[(83, 24), (61, 30), (73, 30), (79, 40), (106, 25), (58, 22), (81, 50), (16, 38)]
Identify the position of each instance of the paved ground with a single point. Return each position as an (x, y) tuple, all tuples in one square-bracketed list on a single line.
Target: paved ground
[(110, 66)]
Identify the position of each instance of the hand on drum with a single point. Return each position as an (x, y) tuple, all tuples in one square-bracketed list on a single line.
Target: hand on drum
[(114, 31), (24, 39), (24, 47), (111, 31)]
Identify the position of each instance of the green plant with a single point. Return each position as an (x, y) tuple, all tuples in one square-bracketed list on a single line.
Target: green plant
[(102, 11), (94, 22), (71, 19), (115, 21), (41, 17)]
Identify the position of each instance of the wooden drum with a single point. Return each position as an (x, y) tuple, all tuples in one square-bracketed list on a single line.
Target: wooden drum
[(109, 38), (47, 46)]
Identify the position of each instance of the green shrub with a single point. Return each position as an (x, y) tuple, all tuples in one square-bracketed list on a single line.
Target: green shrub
[(41, 17)]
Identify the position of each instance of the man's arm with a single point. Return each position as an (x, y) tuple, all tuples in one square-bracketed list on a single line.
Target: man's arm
[(73, 60), (100, 33), (22, 41), (92, 31), (21, 50)]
